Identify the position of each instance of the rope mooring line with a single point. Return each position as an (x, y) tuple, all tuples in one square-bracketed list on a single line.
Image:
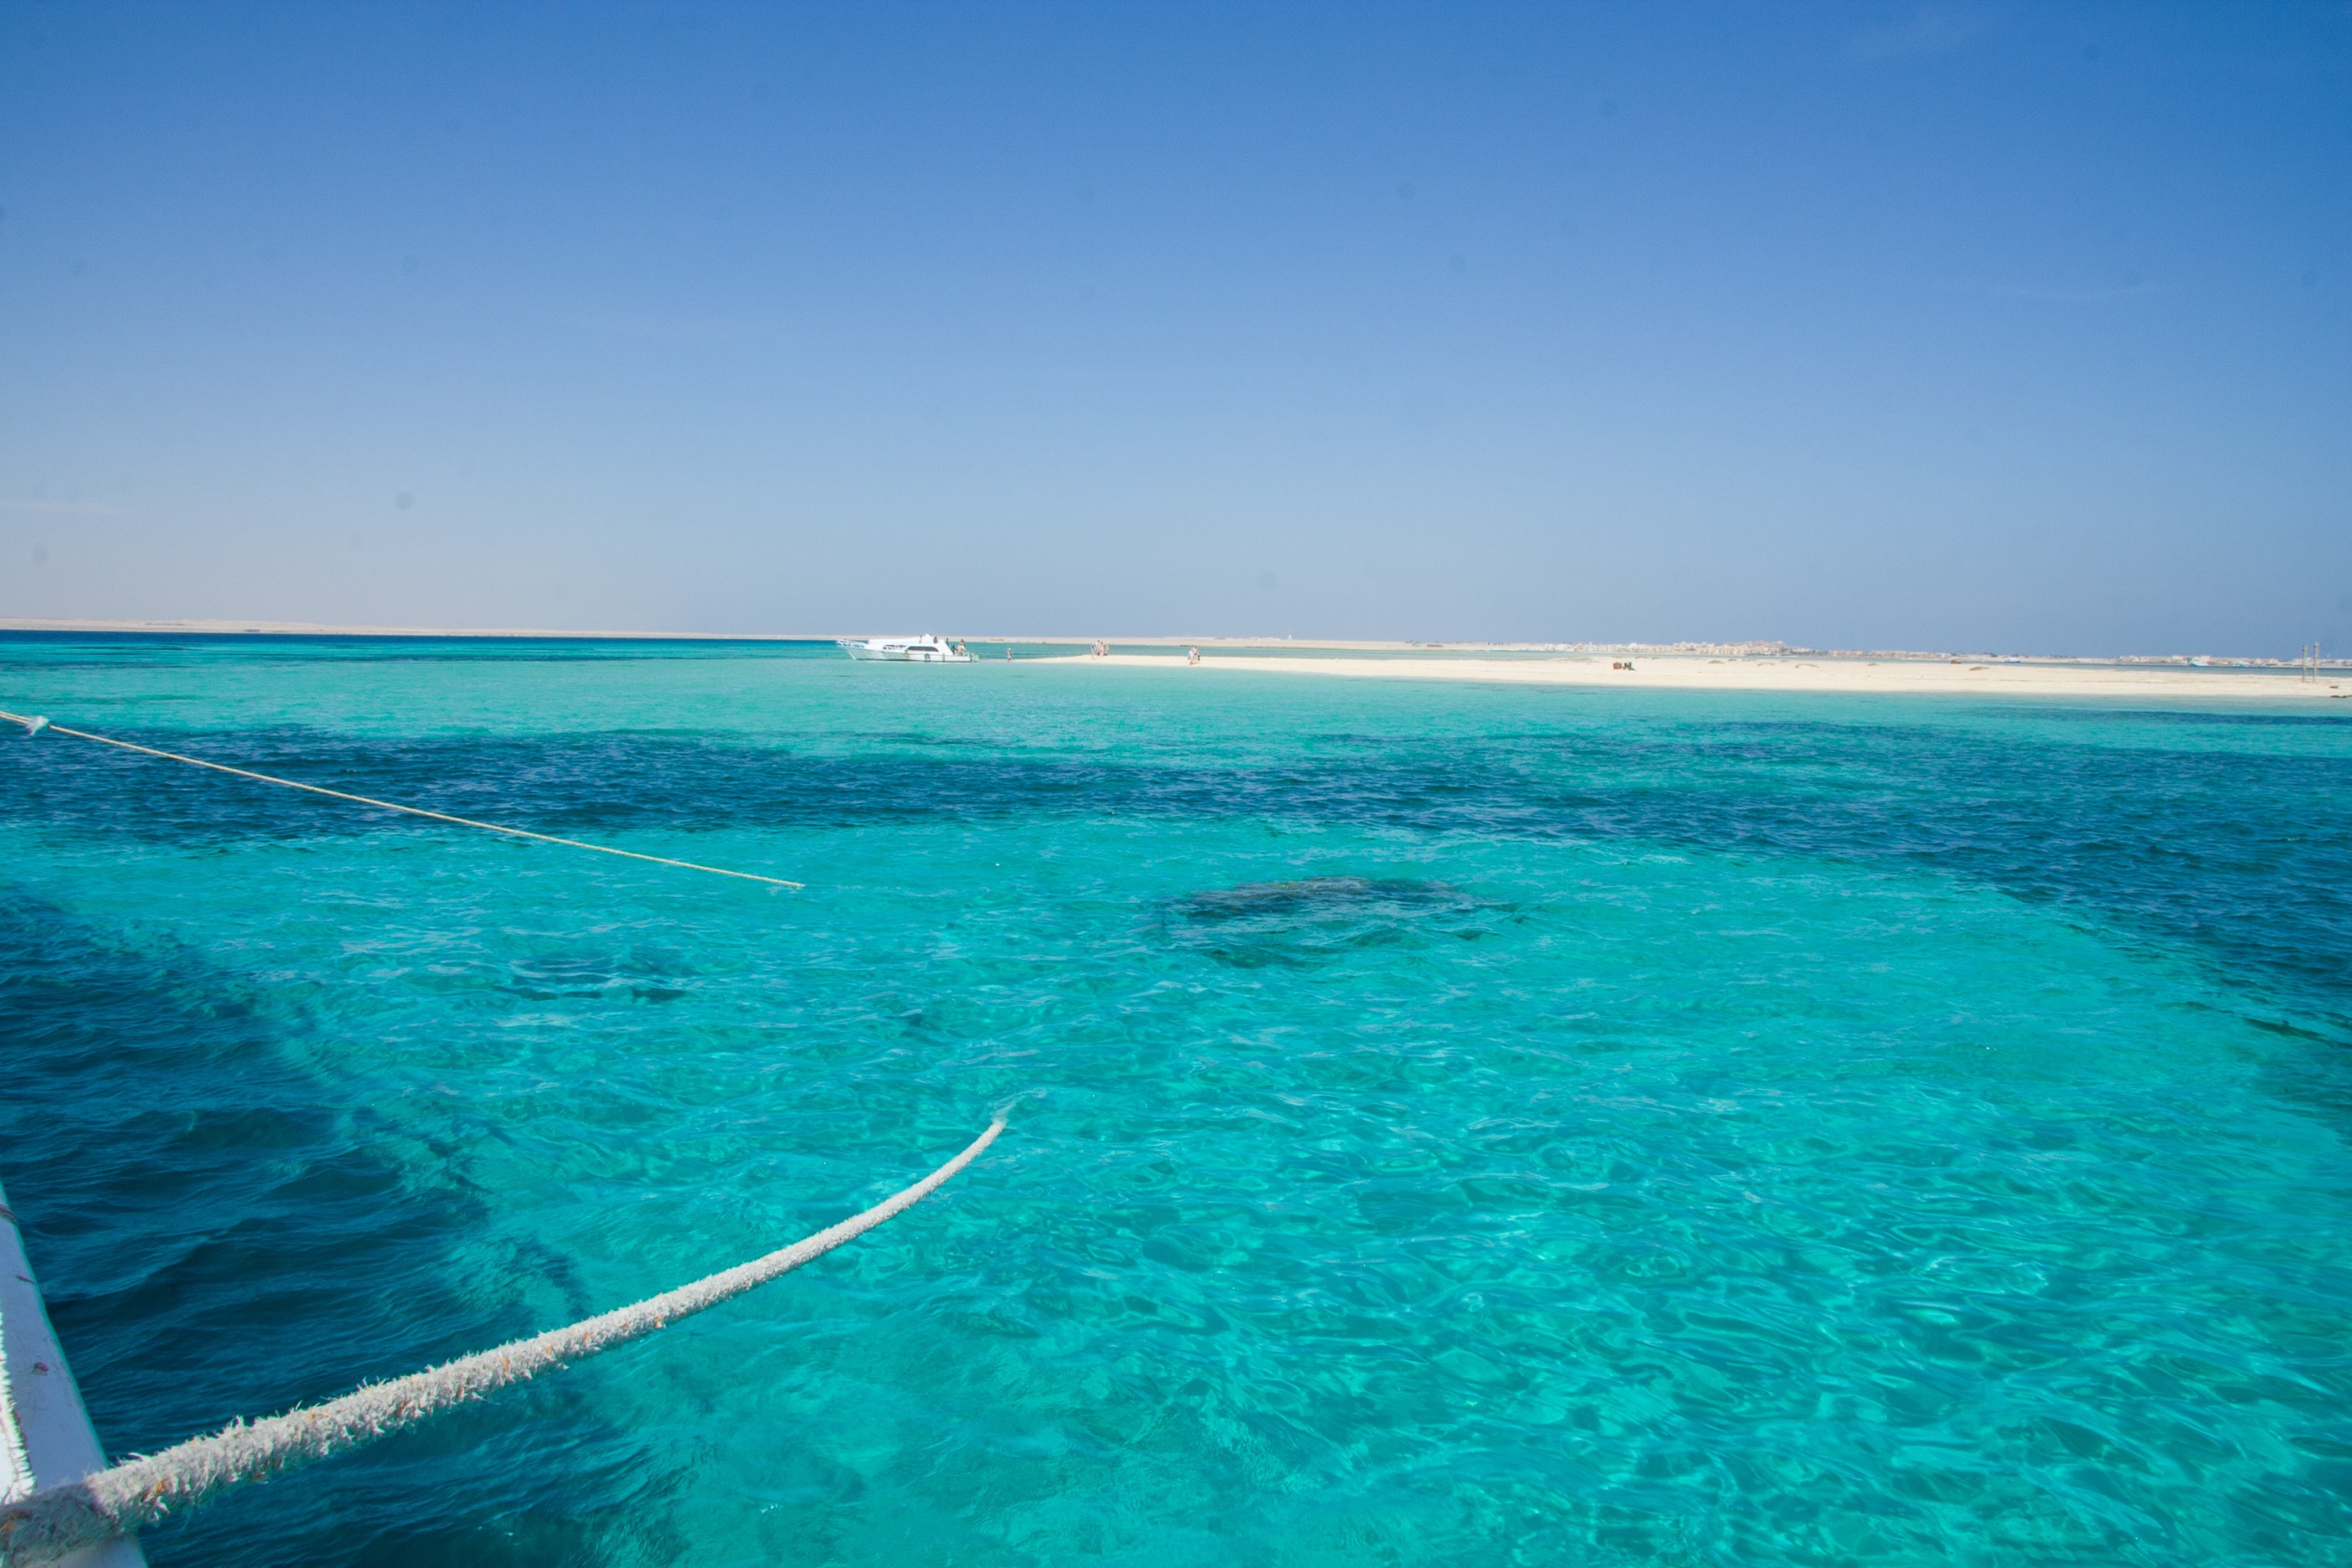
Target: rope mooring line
[(144, 1491), (34, 725)]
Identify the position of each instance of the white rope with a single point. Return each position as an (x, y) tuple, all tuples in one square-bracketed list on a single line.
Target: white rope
[(34, 725), (142, 1491)]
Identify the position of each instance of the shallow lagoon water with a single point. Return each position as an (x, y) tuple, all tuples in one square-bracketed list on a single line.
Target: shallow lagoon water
[(1450, 1124)]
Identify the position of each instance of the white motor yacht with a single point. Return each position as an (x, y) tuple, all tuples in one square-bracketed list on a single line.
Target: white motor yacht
[(907, 650)]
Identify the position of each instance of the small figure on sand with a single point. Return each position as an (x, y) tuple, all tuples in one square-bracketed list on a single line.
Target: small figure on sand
[(1192, 656)]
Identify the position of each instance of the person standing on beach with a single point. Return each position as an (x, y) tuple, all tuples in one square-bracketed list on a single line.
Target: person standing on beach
[(1192, 655)]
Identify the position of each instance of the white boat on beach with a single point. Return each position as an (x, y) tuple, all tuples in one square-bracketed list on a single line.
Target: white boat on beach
[(907, 650)]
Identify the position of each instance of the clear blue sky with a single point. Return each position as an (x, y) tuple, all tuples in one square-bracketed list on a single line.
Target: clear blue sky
[(2018, 327)]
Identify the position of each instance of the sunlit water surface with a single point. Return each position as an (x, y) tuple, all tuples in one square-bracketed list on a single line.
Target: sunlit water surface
[(1449, 1124)]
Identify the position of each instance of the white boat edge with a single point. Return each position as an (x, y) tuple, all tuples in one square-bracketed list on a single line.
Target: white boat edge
[(46, 1437)]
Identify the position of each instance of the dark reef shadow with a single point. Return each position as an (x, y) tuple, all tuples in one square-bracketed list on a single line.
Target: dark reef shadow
[(1315, 920)]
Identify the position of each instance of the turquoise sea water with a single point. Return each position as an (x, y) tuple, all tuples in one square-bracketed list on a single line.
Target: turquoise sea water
[(1450, 1124)]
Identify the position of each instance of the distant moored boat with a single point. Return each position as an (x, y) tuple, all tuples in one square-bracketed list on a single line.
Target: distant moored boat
[(907, 650)]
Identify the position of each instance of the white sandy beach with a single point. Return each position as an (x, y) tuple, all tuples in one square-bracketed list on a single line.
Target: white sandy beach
[(1912, 676)]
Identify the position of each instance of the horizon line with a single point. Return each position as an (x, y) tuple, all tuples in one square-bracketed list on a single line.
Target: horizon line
[(1750, 647)]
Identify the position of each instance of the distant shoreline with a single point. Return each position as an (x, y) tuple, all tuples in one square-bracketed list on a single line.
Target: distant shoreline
[(1913, 675), (318, 629), (1743, 650)]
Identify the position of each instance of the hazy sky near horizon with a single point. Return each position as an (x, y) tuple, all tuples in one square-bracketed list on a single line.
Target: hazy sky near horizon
[(1998, 326)]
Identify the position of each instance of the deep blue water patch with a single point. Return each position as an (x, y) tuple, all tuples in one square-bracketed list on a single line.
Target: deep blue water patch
[(220, 1237), (2235, 851)]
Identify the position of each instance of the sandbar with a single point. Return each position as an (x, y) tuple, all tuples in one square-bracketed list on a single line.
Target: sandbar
[(1682, 672)]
